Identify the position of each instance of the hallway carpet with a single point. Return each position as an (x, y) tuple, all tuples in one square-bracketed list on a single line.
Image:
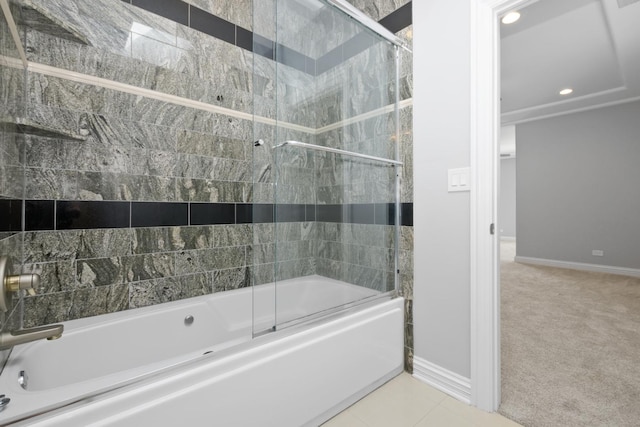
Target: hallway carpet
[(570, 346)]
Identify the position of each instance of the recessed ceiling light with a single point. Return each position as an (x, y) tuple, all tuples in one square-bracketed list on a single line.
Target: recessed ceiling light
[(510, 17), (566, 91)]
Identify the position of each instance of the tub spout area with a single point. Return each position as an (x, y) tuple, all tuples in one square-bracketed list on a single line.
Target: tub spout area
[(22, 336)]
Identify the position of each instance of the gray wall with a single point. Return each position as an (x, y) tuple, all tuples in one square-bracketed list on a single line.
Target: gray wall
[(507, 208), (441, 219), (579, 187)]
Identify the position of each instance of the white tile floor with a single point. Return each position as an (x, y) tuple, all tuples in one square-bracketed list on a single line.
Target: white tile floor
[(407, 402)]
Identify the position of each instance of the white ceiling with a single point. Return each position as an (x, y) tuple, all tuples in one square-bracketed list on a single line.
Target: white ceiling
[(592, 46)]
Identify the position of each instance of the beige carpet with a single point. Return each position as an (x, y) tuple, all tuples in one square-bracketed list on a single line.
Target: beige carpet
[(570, 346)]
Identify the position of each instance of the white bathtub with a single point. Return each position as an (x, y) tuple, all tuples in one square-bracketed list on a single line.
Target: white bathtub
[(147, 367)]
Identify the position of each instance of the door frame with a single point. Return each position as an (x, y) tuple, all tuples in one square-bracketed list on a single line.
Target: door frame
[(485, 158)]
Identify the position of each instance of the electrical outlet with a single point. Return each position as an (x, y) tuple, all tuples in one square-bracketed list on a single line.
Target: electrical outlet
[(597, 252)]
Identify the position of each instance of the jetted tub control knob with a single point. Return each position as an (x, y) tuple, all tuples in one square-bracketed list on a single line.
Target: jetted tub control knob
[(4, 401)]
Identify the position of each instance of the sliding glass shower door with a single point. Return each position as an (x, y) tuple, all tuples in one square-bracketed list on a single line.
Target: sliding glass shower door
[(326, 177)]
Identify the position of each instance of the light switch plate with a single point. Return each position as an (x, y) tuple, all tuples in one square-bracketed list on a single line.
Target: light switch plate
[(459, 180)]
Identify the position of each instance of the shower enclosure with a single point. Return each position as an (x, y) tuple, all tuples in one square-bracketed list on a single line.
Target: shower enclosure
[(329, 162), (158, 162)]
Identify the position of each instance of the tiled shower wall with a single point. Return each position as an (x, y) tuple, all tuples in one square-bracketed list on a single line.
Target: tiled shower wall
[(373, 136), (406, 154), (393, 14), (87, 143)]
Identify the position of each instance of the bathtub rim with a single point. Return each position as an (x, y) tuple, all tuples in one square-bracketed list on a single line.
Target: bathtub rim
[(357, 308), (253, 346)]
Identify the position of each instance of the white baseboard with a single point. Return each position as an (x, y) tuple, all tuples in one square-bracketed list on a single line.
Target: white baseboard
[(444, 380), (633, 272)]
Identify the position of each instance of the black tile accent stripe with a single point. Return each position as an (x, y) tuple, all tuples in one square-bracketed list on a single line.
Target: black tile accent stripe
[(244, 38), (11, 214), (329, 60), (361, 213), (39, 215), (73, 215), (244, 213), (329, 213), (263, 46), (263, 213), (290, 57), (310, 213), (406, 214), (213, 213), (176, 10), (212, 25), (201, 20), (357, 44), (385, 213), (290, 213), (158, 214), (43, 215), (399, 19), (310, 66)]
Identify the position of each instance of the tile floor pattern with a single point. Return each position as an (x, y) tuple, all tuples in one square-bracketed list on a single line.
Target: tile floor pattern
[(407, 402)]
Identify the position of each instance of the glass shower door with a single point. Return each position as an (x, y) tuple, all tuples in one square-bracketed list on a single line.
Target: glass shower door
[(12, 140), (262, 257), (328, 163)]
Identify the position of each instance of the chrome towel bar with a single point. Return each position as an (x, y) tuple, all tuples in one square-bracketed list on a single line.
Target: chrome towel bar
[(337, 151)]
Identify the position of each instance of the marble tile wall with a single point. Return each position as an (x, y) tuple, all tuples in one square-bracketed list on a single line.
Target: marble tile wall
[(92, 143), (360, 254), (370, 73), (347, 180), (377, 10), (296, 20), (406, 154), (89, 143), (166, 57)]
